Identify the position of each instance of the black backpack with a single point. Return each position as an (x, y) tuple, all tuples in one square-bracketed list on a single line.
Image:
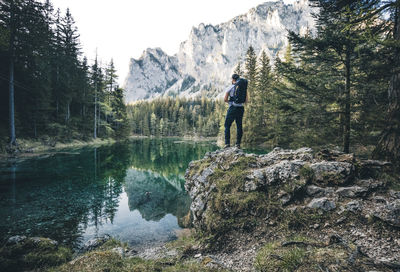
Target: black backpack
[(240, 94)]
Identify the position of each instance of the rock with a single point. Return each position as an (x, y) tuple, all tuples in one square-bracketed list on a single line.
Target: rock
[(131, 252), (334, 155), (353, 206), (341, 220), (284, 197), (322, 203), (332, 172), (316, 191), (394, 194), (371, 168), (283, 172), (32, 254), (254, 180), (39, 240), (351, 192), (119, 250), (15, 239), (379, 199), (390, 213), (255, 196), (279, 154), (95, 243)]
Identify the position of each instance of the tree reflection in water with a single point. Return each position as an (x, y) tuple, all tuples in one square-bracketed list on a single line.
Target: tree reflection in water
[(63, 195)]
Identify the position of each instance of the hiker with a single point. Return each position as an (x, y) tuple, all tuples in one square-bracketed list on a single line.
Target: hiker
[(235, 96)]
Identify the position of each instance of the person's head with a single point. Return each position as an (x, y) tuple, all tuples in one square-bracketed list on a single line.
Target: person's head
[(235, 78)]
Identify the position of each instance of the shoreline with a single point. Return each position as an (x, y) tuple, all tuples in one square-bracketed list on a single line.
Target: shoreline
[(33, 149)]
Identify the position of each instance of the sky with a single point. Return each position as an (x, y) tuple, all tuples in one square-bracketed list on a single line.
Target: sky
[(123, 29)]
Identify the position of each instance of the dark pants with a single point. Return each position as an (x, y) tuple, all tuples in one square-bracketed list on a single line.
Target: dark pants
[(234, 114)]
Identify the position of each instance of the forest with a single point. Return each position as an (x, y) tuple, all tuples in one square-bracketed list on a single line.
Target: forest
[(50, 91), (177, 117)]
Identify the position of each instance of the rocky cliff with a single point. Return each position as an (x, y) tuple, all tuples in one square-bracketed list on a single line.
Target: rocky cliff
[(207, 58), (296, 210)]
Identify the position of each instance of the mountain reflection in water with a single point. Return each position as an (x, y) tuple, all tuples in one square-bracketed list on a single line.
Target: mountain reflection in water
[(131, 190)]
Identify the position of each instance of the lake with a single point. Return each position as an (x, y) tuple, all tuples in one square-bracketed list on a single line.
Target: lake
[(133, 191)]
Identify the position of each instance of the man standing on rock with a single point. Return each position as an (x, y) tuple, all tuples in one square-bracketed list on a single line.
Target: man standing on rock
[(235, 96)]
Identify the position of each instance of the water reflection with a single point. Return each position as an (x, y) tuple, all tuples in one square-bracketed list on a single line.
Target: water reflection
[(131, 189), (155, 196)]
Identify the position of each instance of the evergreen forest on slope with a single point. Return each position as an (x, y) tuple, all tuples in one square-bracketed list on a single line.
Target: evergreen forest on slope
[(49, 91)]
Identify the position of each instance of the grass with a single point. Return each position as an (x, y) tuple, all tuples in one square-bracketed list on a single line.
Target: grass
[(272, 257), (307, 173), (101, 261)]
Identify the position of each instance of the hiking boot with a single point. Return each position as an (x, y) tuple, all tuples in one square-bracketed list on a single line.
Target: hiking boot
[(227, 146), (237, 146)]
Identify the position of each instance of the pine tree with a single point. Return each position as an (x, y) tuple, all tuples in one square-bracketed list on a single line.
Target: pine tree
[(263, 93), (249, 126), (95, 80), (337, 43), (111, 78), (238, 69), (388, 146)]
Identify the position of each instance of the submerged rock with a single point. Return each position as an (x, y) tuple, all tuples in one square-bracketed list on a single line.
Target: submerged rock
[(15, 239)]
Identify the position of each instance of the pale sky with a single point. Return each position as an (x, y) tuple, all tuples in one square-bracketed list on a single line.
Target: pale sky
[(122, 29)]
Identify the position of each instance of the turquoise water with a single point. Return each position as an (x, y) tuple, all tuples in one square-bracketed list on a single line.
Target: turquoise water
[(133, 191)]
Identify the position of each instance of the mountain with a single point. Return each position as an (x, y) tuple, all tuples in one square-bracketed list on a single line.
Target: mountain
[(206, 60)]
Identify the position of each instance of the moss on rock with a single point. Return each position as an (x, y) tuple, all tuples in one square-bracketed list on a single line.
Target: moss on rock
[(33, 253)]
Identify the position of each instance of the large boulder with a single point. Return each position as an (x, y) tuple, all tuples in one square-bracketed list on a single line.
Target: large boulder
[(228, 184)]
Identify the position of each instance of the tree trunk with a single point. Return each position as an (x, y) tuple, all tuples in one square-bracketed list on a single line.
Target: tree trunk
[(13, 140), (388, 147), (346, 132), (99, 121), (57, 106), (95, 114), (68, 113)]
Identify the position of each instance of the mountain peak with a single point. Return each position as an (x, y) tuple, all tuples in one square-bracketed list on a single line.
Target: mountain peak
[(211, 52)]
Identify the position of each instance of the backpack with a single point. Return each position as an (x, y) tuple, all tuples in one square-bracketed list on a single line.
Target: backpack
[(240, 94)]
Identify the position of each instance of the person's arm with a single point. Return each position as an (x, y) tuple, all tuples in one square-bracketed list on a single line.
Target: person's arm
[(226, 98), (227, 93), (247, 97)]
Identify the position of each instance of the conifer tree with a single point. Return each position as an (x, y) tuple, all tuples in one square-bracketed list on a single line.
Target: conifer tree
[(388, 147), (264, 84), (338, 44), (249, 124), (111, 78), (238, 69)]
